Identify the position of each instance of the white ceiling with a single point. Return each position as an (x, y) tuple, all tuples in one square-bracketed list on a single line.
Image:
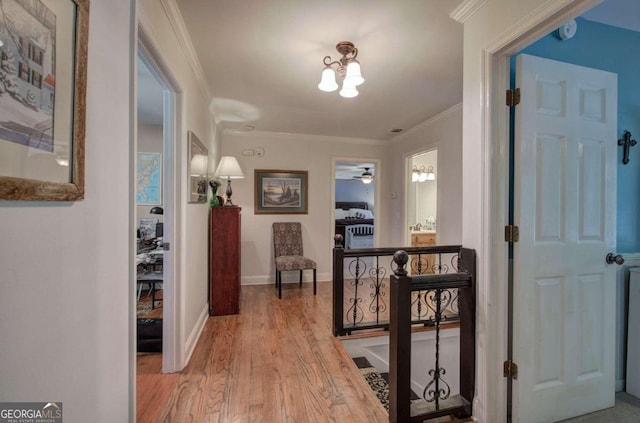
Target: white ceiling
[(262, 61)]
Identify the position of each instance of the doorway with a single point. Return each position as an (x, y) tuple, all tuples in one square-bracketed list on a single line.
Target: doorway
[(154, 216), (497, 194), (354, 201), (422, 198)]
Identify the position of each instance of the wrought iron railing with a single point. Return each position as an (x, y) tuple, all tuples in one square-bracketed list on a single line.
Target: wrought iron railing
[(361, 286), (436, 397)]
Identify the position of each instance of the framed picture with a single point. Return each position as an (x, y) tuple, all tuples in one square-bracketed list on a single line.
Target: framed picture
[(149, 179), (281, 191), (198, 168), (43, 78)]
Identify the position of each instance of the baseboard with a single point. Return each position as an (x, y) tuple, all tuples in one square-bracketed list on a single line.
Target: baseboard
[(270, 279), (192, 340)]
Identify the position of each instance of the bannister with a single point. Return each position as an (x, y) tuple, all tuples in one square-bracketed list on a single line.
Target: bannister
[(361, 285), (436, 398)]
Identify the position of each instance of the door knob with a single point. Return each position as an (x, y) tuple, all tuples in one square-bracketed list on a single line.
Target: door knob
[(612, 258)]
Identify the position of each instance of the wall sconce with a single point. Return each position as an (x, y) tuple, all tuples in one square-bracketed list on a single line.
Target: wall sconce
[(348, 69)]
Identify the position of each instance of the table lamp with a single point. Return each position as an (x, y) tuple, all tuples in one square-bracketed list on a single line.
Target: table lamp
[(230, 169)]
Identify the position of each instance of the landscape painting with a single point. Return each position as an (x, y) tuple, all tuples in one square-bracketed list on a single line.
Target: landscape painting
[(281, 191)]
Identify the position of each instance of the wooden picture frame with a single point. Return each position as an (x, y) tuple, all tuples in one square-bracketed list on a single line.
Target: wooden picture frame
[(43, 100), (197, 169), (281, 191)]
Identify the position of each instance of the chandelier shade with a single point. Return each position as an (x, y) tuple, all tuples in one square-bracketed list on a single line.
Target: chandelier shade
[(347, 69)]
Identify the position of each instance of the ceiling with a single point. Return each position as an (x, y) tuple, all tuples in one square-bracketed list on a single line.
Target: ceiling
[(263, 59), (262, 62)]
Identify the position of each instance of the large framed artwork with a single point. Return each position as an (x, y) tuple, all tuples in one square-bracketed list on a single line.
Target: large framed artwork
[(197, 169), (43, 77), (149, 179), (281, 191)]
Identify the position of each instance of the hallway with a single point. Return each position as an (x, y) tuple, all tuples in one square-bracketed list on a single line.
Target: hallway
[(277, 361)]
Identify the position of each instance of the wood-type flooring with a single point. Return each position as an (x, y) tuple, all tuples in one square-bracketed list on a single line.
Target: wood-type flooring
[(277, 361)]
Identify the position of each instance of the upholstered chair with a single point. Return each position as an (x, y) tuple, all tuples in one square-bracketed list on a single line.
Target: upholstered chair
[(287, 247)]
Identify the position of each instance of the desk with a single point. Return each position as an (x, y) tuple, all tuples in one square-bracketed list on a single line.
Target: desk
[(151, 278)]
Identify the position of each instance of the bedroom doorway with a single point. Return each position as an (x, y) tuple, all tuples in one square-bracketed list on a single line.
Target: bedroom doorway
[(354, 194)]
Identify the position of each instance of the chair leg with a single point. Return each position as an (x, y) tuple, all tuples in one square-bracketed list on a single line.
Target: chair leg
[(279, 284), (314, 281), (300, 277)]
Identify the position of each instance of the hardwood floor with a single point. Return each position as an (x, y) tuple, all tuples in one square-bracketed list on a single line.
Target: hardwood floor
[(277, 361)]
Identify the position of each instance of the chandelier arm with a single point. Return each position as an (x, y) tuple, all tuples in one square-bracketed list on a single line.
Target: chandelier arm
[(327, 61), (355, 54)]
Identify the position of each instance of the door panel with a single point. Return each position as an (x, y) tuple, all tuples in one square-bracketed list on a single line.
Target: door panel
[(565, 206)]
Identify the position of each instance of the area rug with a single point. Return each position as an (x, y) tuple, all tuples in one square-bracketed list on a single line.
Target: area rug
[(379, 384)]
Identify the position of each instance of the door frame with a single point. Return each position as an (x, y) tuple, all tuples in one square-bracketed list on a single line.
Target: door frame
[(172, 355), (408, 185), (376, 193), (491, 401)]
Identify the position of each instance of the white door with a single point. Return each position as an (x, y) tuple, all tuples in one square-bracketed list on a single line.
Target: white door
[(565, 207)]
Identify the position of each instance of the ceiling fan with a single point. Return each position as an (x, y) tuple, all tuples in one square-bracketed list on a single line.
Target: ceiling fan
[(366, 177)]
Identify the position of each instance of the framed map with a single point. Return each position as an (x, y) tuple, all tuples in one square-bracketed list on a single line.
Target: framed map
[(149, 179)]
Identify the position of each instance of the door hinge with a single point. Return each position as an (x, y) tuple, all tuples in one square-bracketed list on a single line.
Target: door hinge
[(513, 97), (510, 369), (511, 233)]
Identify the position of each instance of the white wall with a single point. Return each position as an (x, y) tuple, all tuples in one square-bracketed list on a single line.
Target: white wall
[(164, 27), (443, 132), (296, 152), (64, 267)]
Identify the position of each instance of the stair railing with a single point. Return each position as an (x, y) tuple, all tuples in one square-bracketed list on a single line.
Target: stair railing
[(436, 398)]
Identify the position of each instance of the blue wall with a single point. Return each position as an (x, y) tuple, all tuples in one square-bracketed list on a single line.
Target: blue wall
[(355, 190), (616, 50)]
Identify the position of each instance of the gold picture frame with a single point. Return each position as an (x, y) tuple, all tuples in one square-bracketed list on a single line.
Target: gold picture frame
[(43, 159)]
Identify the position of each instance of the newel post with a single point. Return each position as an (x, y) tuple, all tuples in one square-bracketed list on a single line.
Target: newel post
[(400, 341)]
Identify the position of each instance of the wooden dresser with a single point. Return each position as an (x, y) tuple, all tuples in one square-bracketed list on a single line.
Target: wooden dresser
[(224, 261), (423, 240)]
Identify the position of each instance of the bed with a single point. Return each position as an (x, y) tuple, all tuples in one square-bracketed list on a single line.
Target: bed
[(355, 222)]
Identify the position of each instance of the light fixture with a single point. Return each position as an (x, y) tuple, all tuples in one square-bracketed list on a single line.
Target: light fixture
[(230, 169), (430, 175), (422, 175), (348, 69), (367, 177)]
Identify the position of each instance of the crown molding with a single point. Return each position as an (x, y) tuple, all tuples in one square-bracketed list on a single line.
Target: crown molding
[(466, 9), (442, 115), (172, 11), (302, 137)]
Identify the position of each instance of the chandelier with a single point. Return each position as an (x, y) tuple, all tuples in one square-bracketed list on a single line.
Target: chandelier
[(347, 68)]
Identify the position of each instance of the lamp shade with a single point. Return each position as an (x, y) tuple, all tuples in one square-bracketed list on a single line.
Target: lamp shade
[(353, 77), (348, 90), (199, 165), (229, 168), (328, 81)]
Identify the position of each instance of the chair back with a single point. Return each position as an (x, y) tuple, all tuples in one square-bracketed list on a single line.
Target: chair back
[(287, 239)]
